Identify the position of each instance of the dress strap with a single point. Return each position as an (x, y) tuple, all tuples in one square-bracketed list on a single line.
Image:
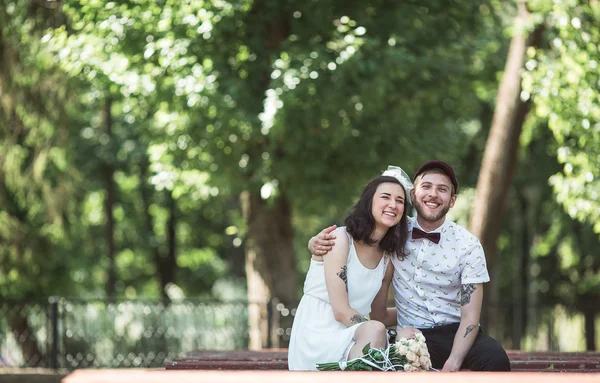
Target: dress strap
[(386, 260), (347, 234), (350, 242)]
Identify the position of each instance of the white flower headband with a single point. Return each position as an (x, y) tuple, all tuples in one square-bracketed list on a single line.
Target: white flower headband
[(400, 175)]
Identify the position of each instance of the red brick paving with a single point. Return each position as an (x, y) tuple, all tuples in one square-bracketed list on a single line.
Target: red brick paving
[(164, 376)]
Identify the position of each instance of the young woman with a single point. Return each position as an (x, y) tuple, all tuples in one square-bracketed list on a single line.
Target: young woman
[(331, 323)]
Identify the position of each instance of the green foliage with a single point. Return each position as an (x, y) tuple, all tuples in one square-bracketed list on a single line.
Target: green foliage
[(37, 180), (196, 59), (564, 82), (188, 91), (297, 100)]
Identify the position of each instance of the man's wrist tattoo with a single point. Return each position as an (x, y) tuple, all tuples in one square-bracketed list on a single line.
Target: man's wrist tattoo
[(355, 319), (469, 329), (344, 276), (465, 293)]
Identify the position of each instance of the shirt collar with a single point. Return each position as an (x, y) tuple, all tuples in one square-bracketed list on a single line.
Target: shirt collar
[(415, 223)]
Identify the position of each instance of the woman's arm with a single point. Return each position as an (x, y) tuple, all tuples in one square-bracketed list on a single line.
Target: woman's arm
[(335, 265), (379, 309), (388, 315)]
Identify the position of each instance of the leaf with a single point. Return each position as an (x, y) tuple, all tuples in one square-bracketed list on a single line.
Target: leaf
[(551, 367), (366, 349)]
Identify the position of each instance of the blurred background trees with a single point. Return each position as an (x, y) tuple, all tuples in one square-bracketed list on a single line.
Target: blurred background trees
[(161, 149)]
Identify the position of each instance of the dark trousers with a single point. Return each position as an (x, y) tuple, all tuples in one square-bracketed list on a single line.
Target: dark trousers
[(486, 354)]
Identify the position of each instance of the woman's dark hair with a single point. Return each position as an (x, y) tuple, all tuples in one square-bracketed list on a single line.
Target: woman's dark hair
[(360, 223)]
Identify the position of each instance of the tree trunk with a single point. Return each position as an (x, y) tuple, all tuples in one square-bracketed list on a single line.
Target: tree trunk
[(499, 161), (590, 326), (109, 203), (270, 265), (527, 202), (523, 274), (6, 73), (521, 253), (153, 246), (169, 262), (26, 338), (587, 302)]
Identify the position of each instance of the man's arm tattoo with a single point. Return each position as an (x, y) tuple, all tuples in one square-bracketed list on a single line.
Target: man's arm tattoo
[(469, 329), (357, 319), (343, 275), (465, 293)]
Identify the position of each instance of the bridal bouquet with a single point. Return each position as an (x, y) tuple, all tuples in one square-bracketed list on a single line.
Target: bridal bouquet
[(404, 355), (413, 353)]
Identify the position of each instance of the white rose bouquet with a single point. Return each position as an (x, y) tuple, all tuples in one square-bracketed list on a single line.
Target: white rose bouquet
[(411, 354), (404, 355)]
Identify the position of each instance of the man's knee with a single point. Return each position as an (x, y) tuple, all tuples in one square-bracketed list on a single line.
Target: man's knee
[(498, 361), (488, 355)]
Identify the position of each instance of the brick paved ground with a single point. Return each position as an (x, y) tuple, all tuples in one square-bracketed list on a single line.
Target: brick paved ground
[(165, 376)]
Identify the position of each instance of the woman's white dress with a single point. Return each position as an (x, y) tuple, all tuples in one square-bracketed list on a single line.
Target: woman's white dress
[(316, 336)]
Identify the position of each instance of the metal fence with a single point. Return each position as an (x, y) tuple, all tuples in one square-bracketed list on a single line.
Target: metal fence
[(75, 333), (70, 333)]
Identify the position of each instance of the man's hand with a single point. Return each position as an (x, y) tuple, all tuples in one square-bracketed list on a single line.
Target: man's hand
[(321, 243), (407, 332)]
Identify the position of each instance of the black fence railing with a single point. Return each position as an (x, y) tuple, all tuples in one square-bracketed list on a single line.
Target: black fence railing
[(71, 333), (75, 333)]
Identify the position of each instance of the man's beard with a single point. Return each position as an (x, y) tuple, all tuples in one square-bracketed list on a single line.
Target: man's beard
[(431, 217)]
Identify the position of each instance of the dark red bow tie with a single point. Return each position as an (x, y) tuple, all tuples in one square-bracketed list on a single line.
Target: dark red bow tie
[(418, 233)]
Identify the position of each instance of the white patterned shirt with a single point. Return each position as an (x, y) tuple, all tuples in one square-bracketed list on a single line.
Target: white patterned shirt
[(428, 281)]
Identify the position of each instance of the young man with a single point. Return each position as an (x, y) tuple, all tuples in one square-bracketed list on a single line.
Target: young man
[(438, 286)]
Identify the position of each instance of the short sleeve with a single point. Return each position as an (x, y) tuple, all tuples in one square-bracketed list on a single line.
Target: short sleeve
[(474, 267)]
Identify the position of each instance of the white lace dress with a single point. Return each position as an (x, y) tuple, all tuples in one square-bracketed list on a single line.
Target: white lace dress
[(316, 336)]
